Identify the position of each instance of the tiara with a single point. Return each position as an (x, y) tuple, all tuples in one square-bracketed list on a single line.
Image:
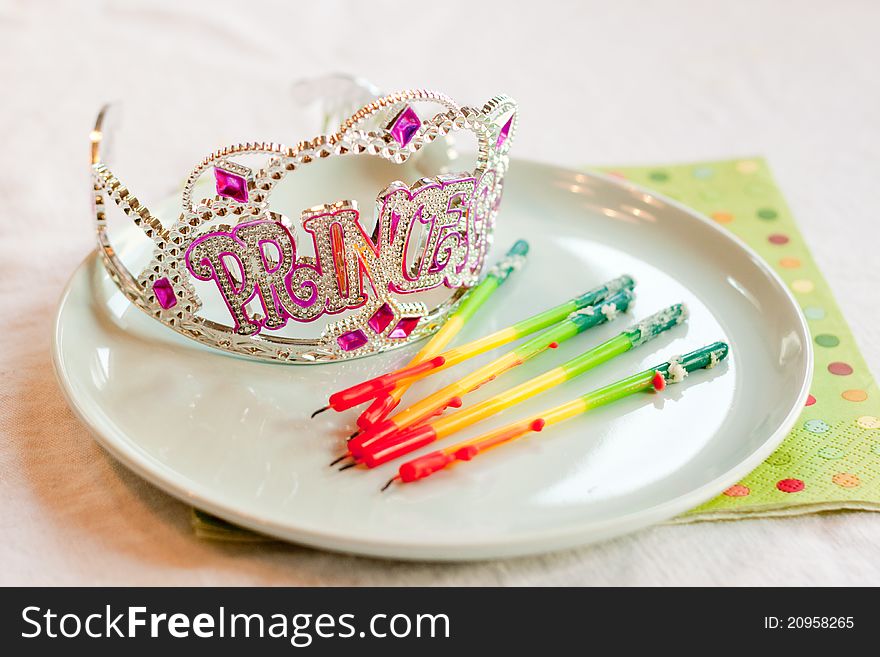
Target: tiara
[(365, 278)]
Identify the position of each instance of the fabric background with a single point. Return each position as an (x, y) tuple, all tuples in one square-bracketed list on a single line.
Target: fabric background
[(597, 82)]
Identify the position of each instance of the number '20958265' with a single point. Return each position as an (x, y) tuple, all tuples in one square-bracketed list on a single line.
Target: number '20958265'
[(809, 622)]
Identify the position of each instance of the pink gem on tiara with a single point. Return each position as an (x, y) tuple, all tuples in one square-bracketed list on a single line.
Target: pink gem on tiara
[(404, 327), (352, 340), (505, 131), (231, 185), (381, 318), (405, 126), (164, 293)]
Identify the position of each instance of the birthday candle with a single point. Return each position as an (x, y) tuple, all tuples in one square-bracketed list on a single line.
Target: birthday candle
[(450, 396), (387, 397), (672, 371), (377, 387), (408, 440)]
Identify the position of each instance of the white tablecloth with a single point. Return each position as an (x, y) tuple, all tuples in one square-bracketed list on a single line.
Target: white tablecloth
[(598, 82)]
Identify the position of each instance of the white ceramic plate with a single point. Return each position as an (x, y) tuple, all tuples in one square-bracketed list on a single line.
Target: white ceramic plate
[(234, 437)]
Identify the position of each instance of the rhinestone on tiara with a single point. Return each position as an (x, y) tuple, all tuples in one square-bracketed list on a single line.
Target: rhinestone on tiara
[(371, 281)]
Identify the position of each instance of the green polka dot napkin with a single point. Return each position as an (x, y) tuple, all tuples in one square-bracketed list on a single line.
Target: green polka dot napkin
[(831, 459)]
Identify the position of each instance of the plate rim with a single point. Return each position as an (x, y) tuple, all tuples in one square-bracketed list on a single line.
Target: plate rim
[(520, 544)]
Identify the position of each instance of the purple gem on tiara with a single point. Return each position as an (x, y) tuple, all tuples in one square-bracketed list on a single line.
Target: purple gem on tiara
[(405, 126), (164, 293), (404, 327), (352, 340), (231, 185), (505, 131), (381, 318)]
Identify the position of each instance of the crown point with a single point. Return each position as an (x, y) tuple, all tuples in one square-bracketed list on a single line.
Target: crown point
[(164, 293), (505, 132), (405, 125), (352, 340), (231, 185)]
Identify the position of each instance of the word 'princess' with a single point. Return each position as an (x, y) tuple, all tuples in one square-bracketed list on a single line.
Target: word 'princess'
[(348, 264), (366, 274)]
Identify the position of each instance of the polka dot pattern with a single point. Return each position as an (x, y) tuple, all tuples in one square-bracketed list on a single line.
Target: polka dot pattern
[(767, 214), (789, 262), (854, 395), (831, 453), (790, 485), (846, 480), (810, 400), (814, 312), (840, 369), (722, 217), (737, 490), (868, 422), (756, 189), (803, 286), (778, 238), (779, 459), (816, 426), (827, 340), (709, 195)]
